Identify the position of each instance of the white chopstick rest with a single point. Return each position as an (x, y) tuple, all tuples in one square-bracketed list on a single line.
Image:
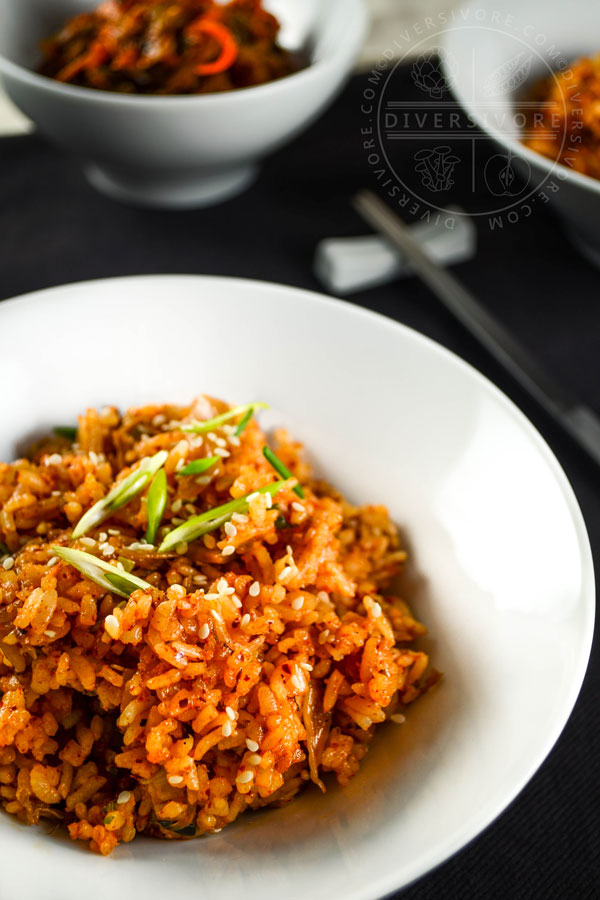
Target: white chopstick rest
[(345, 265)]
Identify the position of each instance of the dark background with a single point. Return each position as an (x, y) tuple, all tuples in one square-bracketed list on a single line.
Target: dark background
[(55, 229)]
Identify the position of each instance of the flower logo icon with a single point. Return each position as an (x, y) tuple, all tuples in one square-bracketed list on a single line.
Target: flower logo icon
[(427, 75)]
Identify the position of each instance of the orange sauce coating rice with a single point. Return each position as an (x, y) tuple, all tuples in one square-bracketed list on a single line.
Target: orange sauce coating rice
[(566, 125), (254, 658)]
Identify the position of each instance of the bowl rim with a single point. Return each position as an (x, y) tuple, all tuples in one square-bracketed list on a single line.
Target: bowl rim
[(547, 165), (383, 885), (357, 20)]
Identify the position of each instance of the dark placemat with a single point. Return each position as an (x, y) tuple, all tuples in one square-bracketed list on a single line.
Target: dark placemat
[(55, 229)]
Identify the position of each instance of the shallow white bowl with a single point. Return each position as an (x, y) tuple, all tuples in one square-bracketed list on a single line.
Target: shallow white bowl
[(480, 44), (179, 151), (502, 571)]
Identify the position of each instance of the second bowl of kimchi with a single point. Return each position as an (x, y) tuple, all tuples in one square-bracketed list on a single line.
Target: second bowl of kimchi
[(179, 150)]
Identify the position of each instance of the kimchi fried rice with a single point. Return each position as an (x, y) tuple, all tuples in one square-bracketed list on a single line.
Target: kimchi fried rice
[(190, 625)]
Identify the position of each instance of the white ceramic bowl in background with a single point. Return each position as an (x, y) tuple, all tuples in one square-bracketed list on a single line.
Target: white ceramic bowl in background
[(179, 151), (502, 571), (481, 41)]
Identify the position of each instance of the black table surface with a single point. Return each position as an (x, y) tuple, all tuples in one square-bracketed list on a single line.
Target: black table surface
[(55, 229)]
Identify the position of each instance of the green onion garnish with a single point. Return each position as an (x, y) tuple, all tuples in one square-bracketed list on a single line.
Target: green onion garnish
[(209, 424), (281, 522), (4, 551), (157, 501), (244, 422), (121, 494), (66, 431), (213, 518), (101, 572), (281, 469), (128, 564), (198, 466)]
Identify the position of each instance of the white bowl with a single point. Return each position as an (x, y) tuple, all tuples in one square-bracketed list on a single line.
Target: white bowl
[(179, 151), (502, 571), (481, 42)]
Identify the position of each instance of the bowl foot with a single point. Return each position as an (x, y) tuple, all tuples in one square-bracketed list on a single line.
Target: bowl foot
[(181, 192)]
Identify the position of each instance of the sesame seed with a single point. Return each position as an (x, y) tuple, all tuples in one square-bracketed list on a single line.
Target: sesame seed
[(323, 596), (212, 436), (285, 573), (236, 602), (54, 459), (306, 666), (93, 457), (228, 591), (228, 429), (178, 590), (216, 616), (123, 797), (234, 440), (398, 719), (203, 480), (323, 636), (254, 760), (230, 530), (222, 585), (254, 590), (50, 633), (230, 713), (88, 542), (220, 442), (245, 777), (219, 451), (296, 682), (181, 548), (289, 550), (376, 610), (212, 596), (52, 561), (269, 501), (251, 745), (176, 505), (209, 541), (113, 531), (107, 549), (245, 620), (175, 779), (298, 603), (177, 520), (204, 632), (253, 496), (240, 518), (111, 624), (180, 465), (189, 507), (102, 537), (227, 729), (228, 550), (199, 579), (298, 507), (159, 419)]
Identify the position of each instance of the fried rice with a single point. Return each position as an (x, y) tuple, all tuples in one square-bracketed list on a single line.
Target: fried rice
[(256, 658)]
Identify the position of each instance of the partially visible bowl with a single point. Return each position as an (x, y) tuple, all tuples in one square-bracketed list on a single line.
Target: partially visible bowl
[(178, 151), (502, 570), (483, 42)]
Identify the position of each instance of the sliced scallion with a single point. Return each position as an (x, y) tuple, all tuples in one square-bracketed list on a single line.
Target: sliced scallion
[(281, 469), (244, 421), (210, 424), (198, 466), (101, 572), (66, 431), (157, 501), (212, 519), (121, 494)]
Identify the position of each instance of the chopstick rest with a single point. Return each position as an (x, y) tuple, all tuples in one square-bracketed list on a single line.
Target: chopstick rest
[(346, 265)]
